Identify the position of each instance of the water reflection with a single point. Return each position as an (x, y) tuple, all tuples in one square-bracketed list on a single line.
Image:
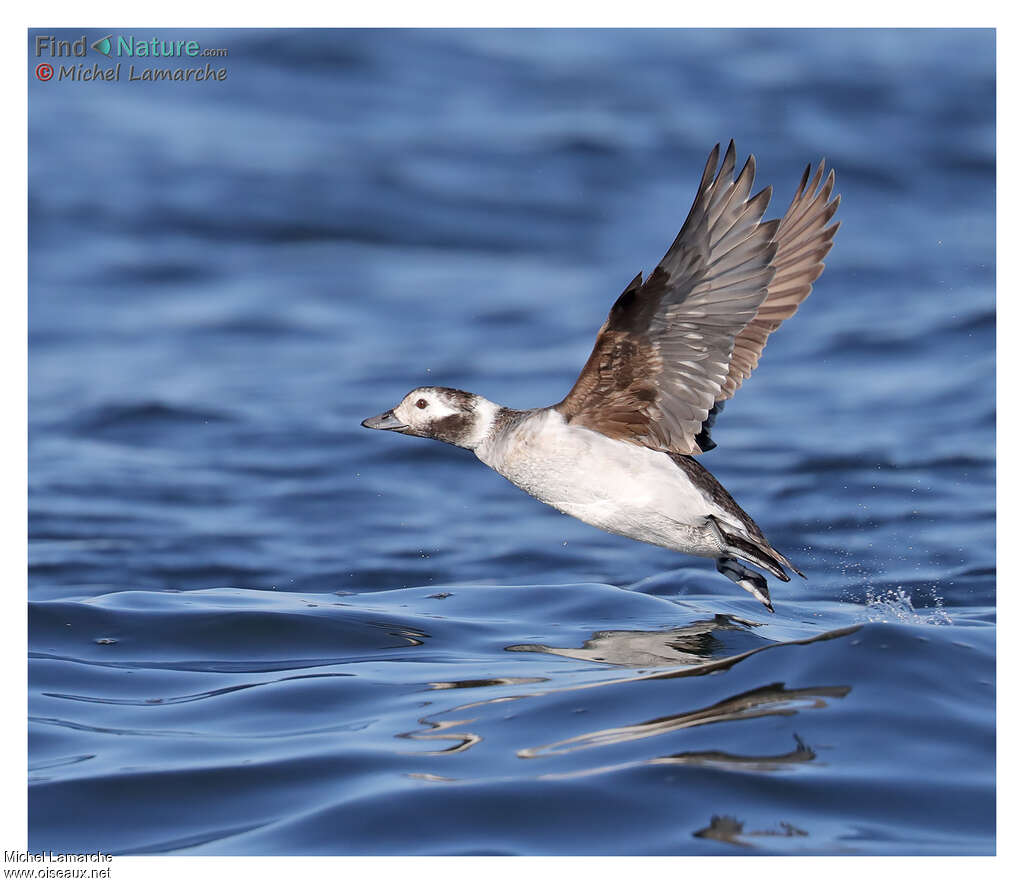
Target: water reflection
[(439, 730), (640, 648), (772, 699), (637, 649), (691, 645), (729, 830), (802, 754)]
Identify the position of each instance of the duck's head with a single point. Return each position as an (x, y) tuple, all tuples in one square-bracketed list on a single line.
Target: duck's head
[(452, 416)]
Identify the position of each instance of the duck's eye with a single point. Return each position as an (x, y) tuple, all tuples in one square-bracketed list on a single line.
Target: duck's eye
[(421, 403)]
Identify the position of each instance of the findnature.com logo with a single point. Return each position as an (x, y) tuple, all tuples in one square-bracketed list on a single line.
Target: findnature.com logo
[(124, 46)]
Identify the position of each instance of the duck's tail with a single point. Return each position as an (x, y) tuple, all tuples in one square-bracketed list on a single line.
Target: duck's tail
[(755, 550)]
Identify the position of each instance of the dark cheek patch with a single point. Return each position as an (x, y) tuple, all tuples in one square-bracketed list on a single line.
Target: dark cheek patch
[(452, 429)]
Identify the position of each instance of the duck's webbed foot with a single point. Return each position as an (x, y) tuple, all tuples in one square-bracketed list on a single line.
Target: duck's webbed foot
[(750, 580)]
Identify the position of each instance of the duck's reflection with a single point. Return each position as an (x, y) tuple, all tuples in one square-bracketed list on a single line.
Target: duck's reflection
[(802, 754), (771, 699), (729, 830), (627, 648), (687, 645)]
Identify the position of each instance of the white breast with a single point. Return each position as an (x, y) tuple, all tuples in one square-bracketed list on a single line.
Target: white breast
[(616, 486)]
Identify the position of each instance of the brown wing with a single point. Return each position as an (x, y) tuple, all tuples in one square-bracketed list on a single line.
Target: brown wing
[(663, 355), (803, 240)]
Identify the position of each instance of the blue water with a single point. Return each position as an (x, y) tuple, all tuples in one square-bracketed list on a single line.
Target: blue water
[(257, 628)]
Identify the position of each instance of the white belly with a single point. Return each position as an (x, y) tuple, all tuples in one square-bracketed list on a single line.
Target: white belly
[(616, 486)]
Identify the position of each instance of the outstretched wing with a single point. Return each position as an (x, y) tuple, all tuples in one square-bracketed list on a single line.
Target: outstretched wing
[(663, 355), (803, 240)]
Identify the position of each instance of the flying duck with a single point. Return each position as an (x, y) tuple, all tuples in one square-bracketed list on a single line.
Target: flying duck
[(619, 451)]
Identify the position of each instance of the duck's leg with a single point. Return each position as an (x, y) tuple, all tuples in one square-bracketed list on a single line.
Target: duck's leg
[(751, 581)]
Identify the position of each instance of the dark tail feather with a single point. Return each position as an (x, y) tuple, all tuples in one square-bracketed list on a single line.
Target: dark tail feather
[(763, 558), (757, 553)]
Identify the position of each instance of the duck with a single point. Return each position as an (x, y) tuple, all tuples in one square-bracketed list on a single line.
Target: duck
[(620, 451)]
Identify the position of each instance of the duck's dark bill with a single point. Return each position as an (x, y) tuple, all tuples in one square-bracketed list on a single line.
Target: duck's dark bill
[(384, 421)]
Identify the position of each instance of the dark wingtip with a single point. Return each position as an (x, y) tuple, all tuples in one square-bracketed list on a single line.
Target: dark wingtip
[(709, 170), (803, 181), (729, 161)]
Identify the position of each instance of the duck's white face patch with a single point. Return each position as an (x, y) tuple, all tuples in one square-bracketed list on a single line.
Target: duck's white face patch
[(423, 407)]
